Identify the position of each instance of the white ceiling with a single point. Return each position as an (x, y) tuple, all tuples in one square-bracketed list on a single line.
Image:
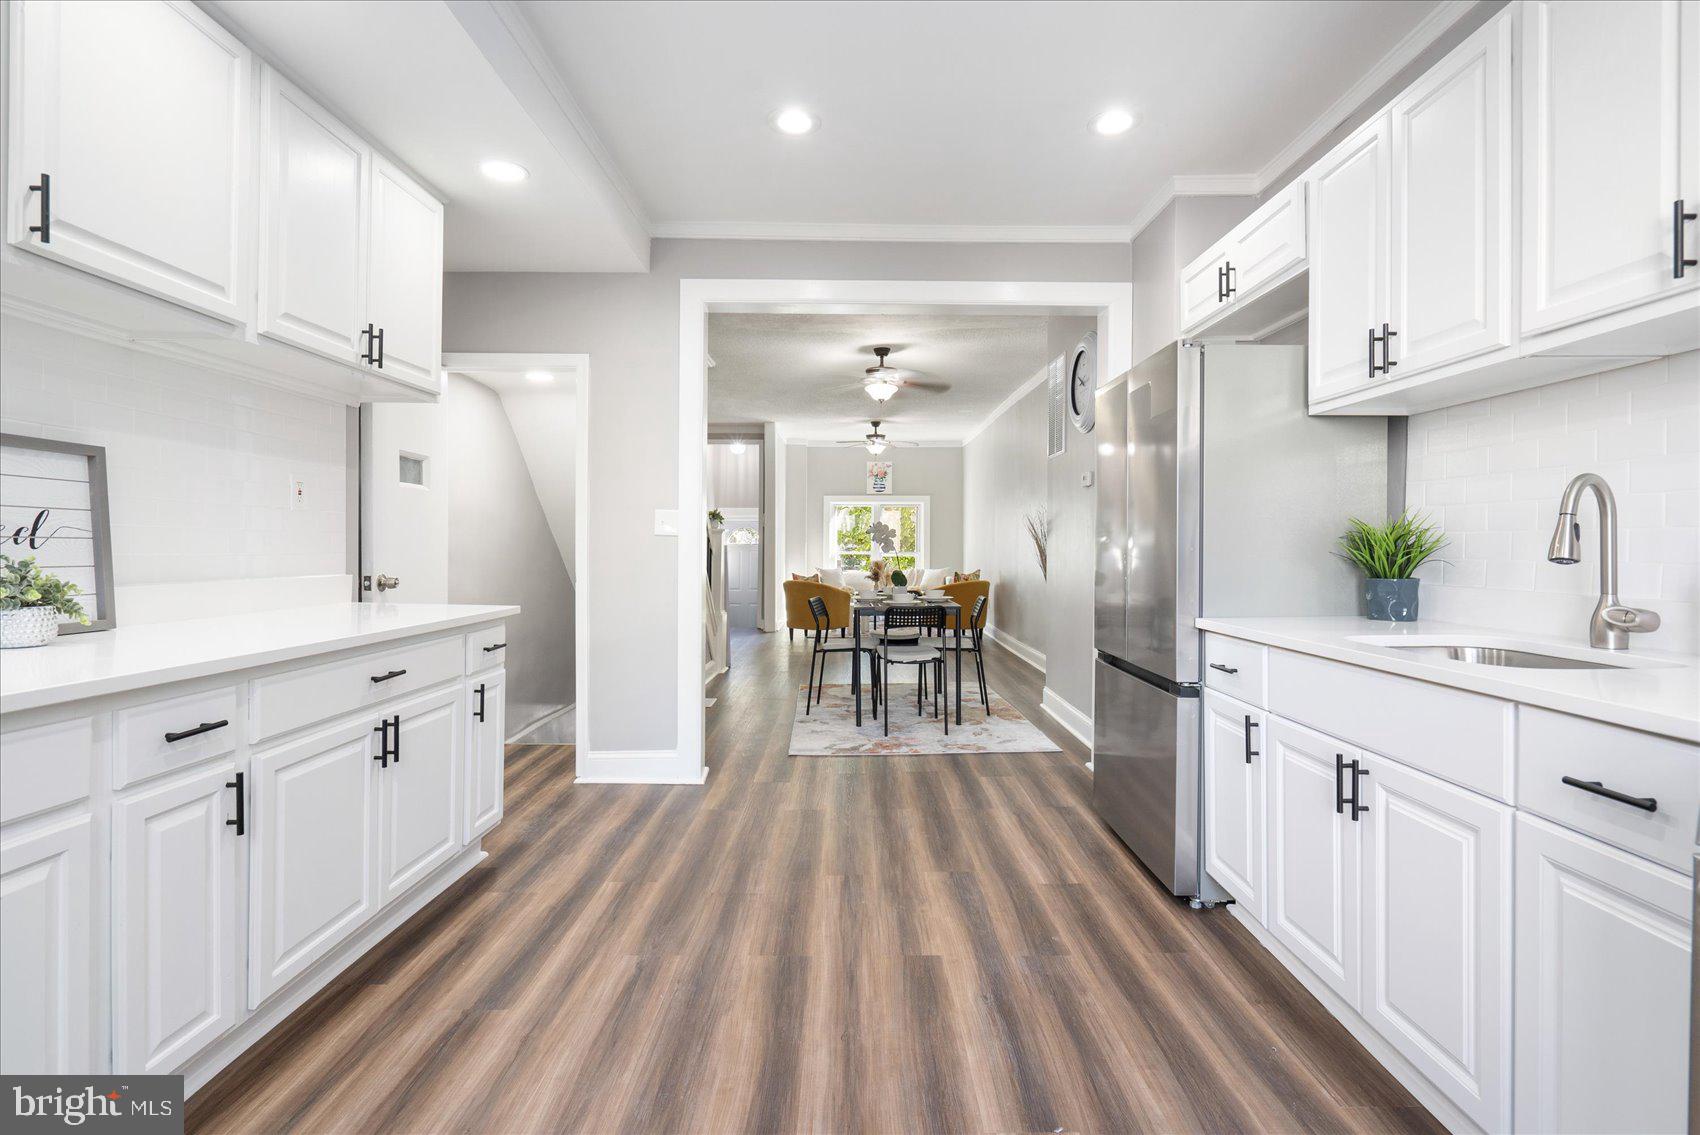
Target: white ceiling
[(952, 115), (442, 87), (804, 372)]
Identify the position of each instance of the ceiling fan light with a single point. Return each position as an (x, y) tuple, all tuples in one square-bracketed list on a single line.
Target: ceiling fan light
[(880, 389), (876, 447)]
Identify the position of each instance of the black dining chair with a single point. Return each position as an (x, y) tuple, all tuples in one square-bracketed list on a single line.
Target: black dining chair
[(976, 640), (822, 646), (924, 652)]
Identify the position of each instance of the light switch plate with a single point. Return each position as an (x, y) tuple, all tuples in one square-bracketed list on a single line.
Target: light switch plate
[(1086, 479), (666, 522)]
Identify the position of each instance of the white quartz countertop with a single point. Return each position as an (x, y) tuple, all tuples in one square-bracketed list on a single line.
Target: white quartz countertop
[(1657, 693), (133, 658)]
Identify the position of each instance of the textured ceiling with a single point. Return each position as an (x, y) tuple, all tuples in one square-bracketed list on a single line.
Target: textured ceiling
[(804, 371)]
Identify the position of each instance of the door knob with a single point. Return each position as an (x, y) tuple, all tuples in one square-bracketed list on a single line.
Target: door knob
[(388, 583)]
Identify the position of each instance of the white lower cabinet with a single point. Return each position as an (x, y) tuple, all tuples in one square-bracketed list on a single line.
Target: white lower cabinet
[(1436, 934), (176, 912), (419, 791), (1603, 952), (312, 868), (46, 934), (1313, 854), (1234, 802), (486, 744)]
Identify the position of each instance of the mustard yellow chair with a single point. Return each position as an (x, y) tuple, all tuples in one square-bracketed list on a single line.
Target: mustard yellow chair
[(798, 592)]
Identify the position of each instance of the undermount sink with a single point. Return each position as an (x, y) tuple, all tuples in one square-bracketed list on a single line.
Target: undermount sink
[(1501, 656)]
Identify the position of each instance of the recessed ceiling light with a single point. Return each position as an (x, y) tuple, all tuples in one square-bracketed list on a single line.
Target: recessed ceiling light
[(497, 169), (795, 121), (539, 376), (1113, 122)]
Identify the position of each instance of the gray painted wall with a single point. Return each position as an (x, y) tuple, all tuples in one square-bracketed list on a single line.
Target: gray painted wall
[(1183, 230), (1069, 591), (502, 551), (629, 326)]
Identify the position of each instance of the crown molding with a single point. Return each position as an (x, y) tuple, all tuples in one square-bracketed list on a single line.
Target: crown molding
[(1419, 39), (936, 234)]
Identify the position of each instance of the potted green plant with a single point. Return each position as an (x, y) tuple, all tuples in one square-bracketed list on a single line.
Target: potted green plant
[(1389, 555), (899, 582), (716, 518), (33, 603)]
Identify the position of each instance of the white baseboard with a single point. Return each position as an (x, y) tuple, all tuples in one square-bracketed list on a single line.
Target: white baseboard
[(1448, 1113), (640, 766), (244, 1036), (1033, 658), (139, 603), (1067, 715)]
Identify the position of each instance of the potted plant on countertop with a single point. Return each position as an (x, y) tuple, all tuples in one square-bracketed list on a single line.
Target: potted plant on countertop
[(33, 603), (1389, 555)]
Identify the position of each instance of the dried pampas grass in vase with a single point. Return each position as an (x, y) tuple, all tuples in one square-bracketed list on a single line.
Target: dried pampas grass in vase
[(1039, 530)]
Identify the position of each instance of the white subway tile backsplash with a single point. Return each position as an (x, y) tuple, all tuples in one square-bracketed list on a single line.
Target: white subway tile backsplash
[(198, 463), (1491, 473)]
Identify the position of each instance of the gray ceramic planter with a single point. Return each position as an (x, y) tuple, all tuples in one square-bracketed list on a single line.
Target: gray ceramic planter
[(1391, 600)]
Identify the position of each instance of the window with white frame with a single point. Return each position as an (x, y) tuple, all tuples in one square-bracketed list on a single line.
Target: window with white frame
[(860, 530)]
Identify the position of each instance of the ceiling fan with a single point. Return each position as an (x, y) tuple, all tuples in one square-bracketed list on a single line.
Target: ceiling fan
[(876, 442), (883, 381)]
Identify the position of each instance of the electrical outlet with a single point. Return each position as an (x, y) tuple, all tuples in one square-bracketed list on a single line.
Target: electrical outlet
[(297, 493)]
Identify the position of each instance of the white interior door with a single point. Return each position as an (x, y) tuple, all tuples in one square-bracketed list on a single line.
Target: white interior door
[(404, 503), (743, 584)]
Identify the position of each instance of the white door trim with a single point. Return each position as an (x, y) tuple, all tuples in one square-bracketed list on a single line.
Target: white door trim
[(579, 365), (1111, 302)]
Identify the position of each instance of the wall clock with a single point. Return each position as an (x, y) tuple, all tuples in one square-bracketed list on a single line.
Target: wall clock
[(1082, 381)]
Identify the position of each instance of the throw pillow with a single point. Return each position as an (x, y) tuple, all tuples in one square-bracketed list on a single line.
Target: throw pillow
[(934, 578), (832, 577), (965, 576), (815, 578)]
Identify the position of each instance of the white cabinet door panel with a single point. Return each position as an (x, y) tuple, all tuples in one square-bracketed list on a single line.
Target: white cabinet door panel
[(1610, 120), (1268, 242), (139, 111), (1201, 288), (312, 877), (45, 936), (313, 225), (1603, 951), (175, 920), (1313, 855), (1234, 804), (486, 750), (1348, 236), (1437, 933), (405, 283), (419, 792), (1451, 256)]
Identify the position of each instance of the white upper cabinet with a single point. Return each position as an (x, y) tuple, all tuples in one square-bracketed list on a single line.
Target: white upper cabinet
[(1603, 942), (1451, 207), (1611, 142), (1234, 289), (1267, 244), (405, 284), (1349, 254), (313, 205), (1437, 933), (131, 147), (1204, 289)]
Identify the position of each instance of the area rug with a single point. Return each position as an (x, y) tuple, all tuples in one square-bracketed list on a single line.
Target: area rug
[(829, 728)]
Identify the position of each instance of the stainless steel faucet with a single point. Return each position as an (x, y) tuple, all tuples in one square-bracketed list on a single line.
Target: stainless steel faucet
[(1612, 623)]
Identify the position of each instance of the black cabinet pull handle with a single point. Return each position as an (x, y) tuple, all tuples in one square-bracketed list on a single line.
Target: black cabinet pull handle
[(382, 729), (203, 727), (496, 646), (1358, 808), (45, 188), (1249, 751), (479, 712), (1225, 669), (1340, 783), (371, 337), (1221, 282), (395, 738), (1387, 337), (1233, 288), (240, 823), (387, 677), (1373, 339), (1678, 216), (1645, 803), (380, 348)]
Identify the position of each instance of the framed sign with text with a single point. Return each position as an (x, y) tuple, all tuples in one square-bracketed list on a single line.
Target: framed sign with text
[(53, 506), (879, 478)]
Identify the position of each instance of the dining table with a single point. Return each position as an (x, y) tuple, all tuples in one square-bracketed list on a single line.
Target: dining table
[(865, 605)]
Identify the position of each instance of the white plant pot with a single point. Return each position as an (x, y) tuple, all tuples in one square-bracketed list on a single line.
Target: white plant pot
[(28, 626)]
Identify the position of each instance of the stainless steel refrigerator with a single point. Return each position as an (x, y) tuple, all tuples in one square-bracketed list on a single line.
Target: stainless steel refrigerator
[(1217, 495)]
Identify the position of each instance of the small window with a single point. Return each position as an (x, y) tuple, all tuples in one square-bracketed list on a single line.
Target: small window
[(412, 470)]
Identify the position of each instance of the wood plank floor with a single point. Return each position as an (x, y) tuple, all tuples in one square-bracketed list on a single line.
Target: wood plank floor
[(810, 944)]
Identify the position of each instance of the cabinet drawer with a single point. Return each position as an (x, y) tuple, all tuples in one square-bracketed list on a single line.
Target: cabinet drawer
[(163, 736), (1552, 746), (1236, 667), (486, 647), (1458, 736), (45, 767), (291, 700)]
